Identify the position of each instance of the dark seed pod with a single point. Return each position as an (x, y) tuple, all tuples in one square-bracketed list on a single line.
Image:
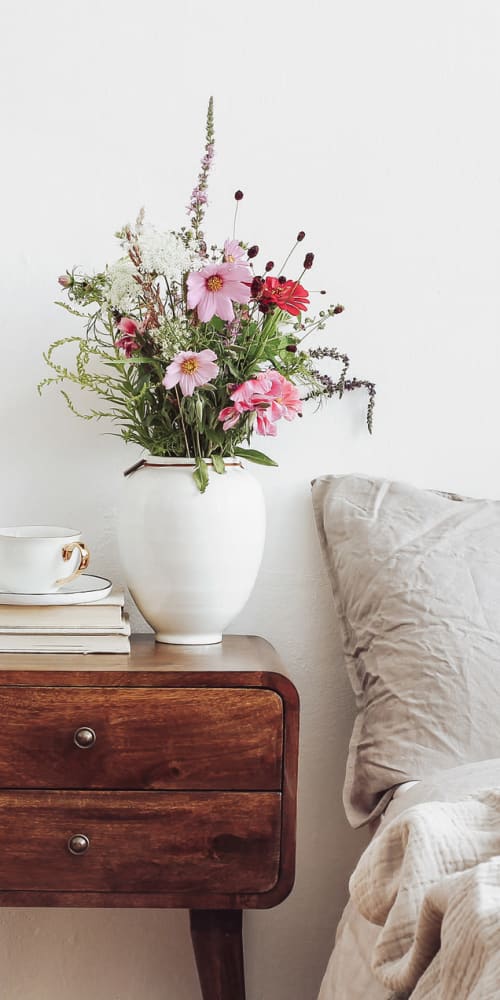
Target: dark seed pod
[(256, 286)]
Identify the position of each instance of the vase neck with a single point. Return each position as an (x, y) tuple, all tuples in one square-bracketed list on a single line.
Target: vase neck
[(167, 461)]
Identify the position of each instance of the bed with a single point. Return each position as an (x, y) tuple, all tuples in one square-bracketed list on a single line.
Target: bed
[(416, 584)]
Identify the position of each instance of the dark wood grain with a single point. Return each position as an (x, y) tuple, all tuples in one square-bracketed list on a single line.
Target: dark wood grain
[(146, 738), (140, 842), (218, 949)]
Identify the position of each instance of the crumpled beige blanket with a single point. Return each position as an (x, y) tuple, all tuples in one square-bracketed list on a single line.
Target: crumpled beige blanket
[(431, 880)]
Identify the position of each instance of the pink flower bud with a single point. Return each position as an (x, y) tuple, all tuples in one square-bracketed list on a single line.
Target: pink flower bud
[(65, 280)]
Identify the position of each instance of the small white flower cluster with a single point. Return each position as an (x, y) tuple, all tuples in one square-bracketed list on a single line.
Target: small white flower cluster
[(166, 254), (173, 336), (121, 291)]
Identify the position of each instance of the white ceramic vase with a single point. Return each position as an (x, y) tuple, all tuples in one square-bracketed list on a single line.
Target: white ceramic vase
[(190, 559)]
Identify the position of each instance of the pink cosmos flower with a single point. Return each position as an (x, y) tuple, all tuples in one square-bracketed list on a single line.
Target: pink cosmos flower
[(213, 290), (233, 251), (128, 343), (190, 369)]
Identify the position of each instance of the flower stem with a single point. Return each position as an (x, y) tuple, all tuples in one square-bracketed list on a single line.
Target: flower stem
[(285, 262), (182, 422)]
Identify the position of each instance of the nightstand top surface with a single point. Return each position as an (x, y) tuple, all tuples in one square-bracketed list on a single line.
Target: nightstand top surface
[(236, 653)]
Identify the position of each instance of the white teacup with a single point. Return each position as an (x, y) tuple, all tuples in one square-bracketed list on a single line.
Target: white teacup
[(38, 559)]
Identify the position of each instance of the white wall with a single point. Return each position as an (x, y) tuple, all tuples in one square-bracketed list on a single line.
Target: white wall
[(374, 126)]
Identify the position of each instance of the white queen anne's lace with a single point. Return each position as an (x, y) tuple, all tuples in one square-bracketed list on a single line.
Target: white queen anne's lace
[(165, 253), (121, 291)]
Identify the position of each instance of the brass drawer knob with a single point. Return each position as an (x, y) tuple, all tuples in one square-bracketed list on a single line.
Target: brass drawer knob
[(84, 738), (78, 844)]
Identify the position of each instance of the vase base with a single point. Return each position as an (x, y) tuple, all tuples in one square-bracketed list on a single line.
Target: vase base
[(204, 639)]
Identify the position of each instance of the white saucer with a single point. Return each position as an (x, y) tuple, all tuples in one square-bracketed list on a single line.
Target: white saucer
[(84, 590)]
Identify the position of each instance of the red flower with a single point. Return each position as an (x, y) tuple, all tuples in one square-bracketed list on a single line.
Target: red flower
[(287, 295)]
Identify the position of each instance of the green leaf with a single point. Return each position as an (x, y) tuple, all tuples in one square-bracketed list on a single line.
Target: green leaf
[(254, 456), (233, 369), (216, 324), (200, 475), (218, 464), (215, 435)]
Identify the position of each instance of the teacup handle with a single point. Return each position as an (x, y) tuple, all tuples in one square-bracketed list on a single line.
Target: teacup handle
[(67, 552)]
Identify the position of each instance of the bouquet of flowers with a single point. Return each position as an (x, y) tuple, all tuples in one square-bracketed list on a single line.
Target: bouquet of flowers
[(191, 348)]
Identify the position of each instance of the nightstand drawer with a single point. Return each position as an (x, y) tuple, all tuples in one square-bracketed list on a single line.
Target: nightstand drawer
[(148, 738), (144, 842)]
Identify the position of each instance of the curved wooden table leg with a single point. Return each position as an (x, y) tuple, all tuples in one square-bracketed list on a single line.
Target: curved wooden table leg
[(218, 949)]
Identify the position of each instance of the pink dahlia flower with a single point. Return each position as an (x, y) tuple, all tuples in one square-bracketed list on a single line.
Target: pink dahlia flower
[(284, 398), (213, 290), (270, 395), (245, 396), (190, 369), (233, 251), (229, 417), (265, 426)]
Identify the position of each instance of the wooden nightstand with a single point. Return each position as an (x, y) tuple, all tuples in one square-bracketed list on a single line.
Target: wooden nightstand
[(164, 778)]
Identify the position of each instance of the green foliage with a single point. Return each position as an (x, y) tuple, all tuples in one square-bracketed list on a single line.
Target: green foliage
[(131, 391), (218, 463), (252, 455), (200, 474)]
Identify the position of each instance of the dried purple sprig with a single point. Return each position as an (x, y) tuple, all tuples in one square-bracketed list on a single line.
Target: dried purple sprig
[(330, 387), (363, 383), (335, 355), (198, 200)]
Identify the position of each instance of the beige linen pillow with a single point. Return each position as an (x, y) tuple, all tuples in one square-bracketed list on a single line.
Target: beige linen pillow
[(416, 582)]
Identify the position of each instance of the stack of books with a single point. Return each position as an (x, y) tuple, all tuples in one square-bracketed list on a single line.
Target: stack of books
[(101, 627)]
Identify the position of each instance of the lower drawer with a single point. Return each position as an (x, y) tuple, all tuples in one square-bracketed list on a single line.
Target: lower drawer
[(140, 842)]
